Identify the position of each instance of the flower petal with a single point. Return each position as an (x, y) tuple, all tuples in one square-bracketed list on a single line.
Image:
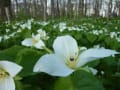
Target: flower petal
[(66, 47), (93, 54), (36, 37), (40, 44), (10, 67), (7, 83), (52, 65), (93, 70), (27, 42)]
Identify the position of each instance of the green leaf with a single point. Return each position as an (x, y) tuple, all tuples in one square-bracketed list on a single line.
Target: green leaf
[(64, 84), (93, 63), (22, 86), (18, 85), (10, 53), (79, 80), (85, 81), (117, 74), (91, 38), (27, 58)]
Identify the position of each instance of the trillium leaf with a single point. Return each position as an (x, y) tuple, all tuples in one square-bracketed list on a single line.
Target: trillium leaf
[(91, 38), (85, 81), (93, 63), (63, 84), (19, 85), (79, 80), (27, 58), (10, 53)]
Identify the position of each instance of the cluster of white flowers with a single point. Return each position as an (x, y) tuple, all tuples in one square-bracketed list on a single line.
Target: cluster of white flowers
[(113, 34), (36, 40), (118, 39), (85, 28), (97, 32), (5, 37), (43, 34), (18, 27), (43, 23), (62, 26), (27, 25), (74, 28), (7, 30)]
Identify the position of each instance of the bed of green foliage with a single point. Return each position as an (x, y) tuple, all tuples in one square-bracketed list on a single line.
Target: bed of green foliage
[(88, 32)]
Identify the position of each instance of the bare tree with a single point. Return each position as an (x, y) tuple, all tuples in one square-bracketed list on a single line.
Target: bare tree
[(118, 7), (110, 6), (45, 10), (69, 8), (16, 1), (25, 8), (59, 8), (5, 9), (52, 8), (81, 7), (97, 7)]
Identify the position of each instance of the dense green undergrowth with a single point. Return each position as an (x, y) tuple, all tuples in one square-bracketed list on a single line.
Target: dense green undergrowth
[(89, 32)]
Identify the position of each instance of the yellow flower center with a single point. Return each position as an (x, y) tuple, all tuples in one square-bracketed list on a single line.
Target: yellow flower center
[(3, 74), (35, 41), (72, 63)]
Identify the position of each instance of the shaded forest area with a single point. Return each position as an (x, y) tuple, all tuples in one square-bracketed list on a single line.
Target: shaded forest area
[(44, 9)]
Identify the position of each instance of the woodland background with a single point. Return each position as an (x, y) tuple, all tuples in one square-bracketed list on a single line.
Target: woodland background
[(44, 9)]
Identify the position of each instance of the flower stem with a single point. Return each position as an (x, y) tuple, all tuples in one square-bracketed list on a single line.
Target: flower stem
[(48, 50)]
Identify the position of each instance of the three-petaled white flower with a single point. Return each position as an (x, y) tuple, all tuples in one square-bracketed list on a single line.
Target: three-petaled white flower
[(8, 71), (35, 41), (0, 38), (67, 57)]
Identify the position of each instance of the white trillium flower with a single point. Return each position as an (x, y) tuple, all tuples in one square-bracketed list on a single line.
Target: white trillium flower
[(34, 41), (7, 30), (0, 38), (67, 57), (43, 34), (8, 71), (26, 25), (6, 37), (43, 23), (62, 26)]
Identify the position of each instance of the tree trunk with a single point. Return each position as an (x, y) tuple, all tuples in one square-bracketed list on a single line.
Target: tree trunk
[(110, 8), (52, 8), (96, 8), (45, 9), (58, 10), (5, 5), (81, 7), (16, 1), (69, 8)]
